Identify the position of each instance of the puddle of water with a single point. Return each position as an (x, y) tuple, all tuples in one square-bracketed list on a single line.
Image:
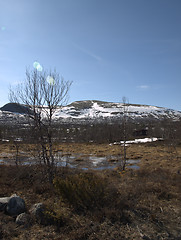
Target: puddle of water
[(134, 167), (86, 162), (81, 161)]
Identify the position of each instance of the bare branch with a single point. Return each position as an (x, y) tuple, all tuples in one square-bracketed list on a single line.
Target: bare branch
[(42, 92)]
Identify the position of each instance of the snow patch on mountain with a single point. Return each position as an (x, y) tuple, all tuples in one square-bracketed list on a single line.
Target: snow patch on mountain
[(82, 111), (110, 110)]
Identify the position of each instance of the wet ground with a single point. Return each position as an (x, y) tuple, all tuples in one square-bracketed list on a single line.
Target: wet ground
[(80, 161)]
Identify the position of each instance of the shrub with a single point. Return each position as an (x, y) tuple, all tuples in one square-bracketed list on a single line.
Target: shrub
[(55, 216), (84, 191)]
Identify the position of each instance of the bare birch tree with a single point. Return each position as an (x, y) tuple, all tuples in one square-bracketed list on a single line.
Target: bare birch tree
[(42, 92), (124, 120)]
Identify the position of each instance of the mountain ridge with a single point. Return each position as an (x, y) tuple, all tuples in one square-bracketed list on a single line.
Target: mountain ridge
[(15, 108), (91, 110), (79, 102)]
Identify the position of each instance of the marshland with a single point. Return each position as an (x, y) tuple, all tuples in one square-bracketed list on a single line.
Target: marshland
[(141, 203)]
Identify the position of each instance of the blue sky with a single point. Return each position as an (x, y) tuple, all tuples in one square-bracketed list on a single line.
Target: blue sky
[(108, 48)]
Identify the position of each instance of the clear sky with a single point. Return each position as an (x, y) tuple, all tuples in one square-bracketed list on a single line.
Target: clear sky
[(108, 48)]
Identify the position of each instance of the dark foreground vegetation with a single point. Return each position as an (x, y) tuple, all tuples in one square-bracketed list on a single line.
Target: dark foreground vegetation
[(142, 204)]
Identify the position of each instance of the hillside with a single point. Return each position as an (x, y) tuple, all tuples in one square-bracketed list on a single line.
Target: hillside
[(85, 111), (108, 110), (15, 108)]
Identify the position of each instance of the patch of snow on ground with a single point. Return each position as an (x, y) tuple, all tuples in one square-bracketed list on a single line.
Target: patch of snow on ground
[(141, 140), (5, 140)]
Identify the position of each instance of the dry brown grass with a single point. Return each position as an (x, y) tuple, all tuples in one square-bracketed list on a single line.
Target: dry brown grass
[(143, 204), (134, 150), (152, 155)]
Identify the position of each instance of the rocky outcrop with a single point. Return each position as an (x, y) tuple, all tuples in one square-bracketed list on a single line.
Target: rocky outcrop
[(37, 211), (23, 219), (15, 207), (3, 203)]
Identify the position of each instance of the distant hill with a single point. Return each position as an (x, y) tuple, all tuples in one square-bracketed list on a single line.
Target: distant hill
[(93, 109), (15, 108), (81, 112)]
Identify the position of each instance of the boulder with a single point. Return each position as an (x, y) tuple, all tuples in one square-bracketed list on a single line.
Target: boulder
[(23, 219), (15, 205), (38, 212), (3, 203)]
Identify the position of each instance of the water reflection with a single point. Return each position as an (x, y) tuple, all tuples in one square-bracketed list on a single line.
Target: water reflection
[(86, 162), (81, 161)]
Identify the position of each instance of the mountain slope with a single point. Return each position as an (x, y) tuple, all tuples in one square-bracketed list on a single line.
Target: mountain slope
[(15, 108), (83, 111), (107, 110)]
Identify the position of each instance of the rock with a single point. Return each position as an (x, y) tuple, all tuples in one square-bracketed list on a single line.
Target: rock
[(3, 203), (146, 237), (38, 212), (23, 219), (15, 205)]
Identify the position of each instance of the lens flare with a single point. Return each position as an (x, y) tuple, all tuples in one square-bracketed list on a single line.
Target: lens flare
[(50, 80), (3, 28), (37, 66)]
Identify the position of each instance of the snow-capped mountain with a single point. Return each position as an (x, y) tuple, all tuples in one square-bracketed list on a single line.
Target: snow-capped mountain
[(98, 109), (83, 111)]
